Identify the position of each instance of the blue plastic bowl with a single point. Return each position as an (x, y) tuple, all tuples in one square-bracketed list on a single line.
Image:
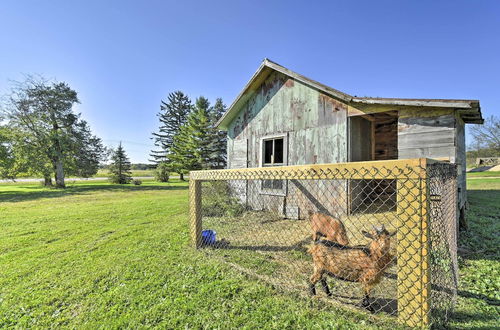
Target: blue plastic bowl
[(208, 237)]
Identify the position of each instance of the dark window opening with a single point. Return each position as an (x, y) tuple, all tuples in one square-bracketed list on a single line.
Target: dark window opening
[(272, 184), (268, 152), (273, 152)]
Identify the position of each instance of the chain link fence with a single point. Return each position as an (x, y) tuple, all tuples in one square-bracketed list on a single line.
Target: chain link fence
[(378, 237)]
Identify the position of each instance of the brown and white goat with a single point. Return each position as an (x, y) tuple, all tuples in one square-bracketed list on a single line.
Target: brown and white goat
[(331, 228), (363, 264)]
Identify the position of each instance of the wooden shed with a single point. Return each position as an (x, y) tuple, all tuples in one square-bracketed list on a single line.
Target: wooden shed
[(283, 118)]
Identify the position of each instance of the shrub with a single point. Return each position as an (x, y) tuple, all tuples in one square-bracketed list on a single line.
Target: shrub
[(137, 182), (162, 172), (218, 200)]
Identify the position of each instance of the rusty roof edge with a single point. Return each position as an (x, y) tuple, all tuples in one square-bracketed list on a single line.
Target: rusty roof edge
[(327, 89), (461, 105), (440, 103), (240, 95), (266, 63)]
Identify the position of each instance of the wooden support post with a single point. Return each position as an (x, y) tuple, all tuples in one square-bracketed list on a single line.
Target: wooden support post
[(413, 252), (195, 211)]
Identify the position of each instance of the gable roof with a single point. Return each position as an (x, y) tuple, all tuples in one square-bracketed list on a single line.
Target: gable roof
[(469, 110)]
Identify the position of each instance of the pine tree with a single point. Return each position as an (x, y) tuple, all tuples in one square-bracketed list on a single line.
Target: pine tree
[(120, 166), (219, 140), (173, 114), (191, 149)]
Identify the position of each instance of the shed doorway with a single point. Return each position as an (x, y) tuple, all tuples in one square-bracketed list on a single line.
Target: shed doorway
[(373, 137)]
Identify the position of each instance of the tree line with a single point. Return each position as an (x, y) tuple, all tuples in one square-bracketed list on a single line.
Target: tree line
[(42, 135)]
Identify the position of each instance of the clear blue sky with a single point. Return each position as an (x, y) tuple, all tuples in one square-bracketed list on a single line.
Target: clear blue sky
[(123, 57)]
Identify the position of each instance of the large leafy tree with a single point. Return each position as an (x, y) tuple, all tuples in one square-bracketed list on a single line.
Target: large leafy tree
[(120, 166), (6, 155), (173, 114), (48, 136), (486, 137)]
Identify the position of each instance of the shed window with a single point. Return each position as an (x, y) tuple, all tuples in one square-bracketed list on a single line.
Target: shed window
[(273, 152)]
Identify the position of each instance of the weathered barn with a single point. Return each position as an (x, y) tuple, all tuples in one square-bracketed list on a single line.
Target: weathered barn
[(283, 118)]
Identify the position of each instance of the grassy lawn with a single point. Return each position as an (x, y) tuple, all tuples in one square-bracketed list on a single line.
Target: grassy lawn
[(98, 255), (103, 173), (483, 174)]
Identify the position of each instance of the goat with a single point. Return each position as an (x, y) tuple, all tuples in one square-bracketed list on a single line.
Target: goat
[(363, 264), (329, 227)]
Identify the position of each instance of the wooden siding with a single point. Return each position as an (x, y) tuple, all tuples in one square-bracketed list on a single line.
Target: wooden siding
[(283, 105), (431, 137), (442, 135), (316, 129), (461, 160), (385, 128)]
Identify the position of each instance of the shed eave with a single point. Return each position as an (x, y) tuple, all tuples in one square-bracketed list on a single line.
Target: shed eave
[(469, 110), (264, 70)]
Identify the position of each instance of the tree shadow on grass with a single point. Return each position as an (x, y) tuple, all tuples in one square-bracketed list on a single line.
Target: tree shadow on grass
[(40, 192)]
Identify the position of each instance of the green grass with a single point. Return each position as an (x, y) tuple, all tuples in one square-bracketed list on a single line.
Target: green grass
[(101, 255), (483, 174), (103, 173), (479, 261)]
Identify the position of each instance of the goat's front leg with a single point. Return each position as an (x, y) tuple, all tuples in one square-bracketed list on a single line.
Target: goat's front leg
[(325, 287), (366, 299), (315, 278)]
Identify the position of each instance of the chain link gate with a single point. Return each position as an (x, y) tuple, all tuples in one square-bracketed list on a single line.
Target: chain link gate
[(379, 236)]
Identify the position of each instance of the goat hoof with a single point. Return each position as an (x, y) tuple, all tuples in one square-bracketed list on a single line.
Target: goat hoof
[(366, 304), (312, 291)]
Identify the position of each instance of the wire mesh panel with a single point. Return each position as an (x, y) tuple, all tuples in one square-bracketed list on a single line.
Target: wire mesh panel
[(375, 236)]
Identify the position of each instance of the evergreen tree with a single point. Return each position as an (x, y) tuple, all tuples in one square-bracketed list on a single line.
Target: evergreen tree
[(219, 138), (191, 149), (173, 114), (120, 167)]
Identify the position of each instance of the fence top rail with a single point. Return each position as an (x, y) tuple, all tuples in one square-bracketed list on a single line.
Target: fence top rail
[(382, 169)]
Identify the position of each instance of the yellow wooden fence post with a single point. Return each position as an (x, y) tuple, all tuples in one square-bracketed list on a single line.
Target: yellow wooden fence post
[(195, 211), (413, 251)]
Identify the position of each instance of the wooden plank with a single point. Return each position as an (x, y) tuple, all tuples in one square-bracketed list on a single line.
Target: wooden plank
[(421, 125), (195, 211), (239, 157), (436, 152), (413, 252), (360, 139), (384, 169), (438, 138), (417, 112)]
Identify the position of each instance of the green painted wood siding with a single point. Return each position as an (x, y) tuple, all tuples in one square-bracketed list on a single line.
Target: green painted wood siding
[(316, 124)]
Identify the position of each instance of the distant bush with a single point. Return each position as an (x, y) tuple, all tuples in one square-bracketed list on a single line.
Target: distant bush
[(137, 182), (162, 172), (218, 200)]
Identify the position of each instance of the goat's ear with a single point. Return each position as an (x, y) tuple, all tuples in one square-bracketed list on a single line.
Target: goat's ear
[(367, 234), (392, 234)]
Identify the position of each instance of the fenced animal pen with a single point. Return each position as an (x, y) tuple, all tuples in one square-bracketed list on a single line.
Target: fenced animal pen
[(397, 219)]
